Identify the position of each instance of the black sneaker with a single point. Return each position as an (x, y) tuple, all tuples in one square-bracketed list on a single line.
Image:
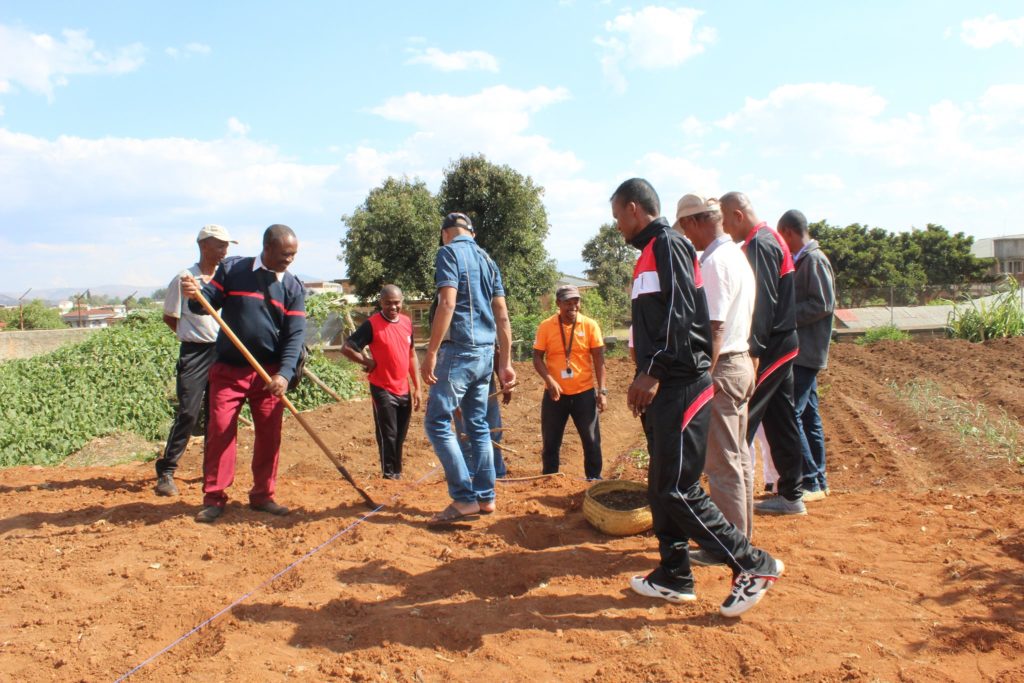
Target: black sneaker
[(647, 587), (748, 589), (165, 485)]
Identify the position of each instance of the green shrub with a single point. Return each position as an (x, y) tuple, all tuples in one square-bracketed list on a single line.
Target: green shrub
[(120, 379), (1002, 317), (883, 333)]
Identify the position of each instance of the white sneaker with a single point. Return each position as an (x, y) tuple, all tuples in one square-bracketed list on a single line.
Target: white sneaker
[(748, 589), (647, 588)]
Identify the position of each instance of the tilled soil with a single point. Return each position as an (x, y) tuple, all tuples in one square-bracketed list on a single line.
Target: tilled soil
[(911, 570)]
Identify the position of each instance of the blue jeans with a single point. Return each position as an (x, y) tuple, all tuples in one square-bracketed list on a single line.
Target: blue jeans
[(812, 435), (463, 375), (493, 422)]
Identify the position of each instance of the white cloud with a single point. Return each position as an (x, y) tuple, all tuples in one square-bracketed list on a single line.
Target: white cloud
[(188, 50), (126, 207), (473, 60), (828, 182), (990, 30), (39, 62), (652, 38), (237, 127)]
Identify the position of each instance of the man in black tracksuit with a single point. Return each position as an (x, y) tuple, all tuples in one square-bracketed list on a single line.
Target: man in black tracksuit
[(773, 346), (672, 393)]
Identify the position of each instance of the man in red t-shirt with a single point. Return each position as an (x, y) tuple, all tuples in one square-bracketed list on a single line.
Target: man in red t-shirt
[(392, 364)]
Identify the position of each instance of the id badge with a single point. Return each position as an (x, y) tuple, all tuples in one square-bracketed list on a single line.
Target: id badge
[(567, 373)]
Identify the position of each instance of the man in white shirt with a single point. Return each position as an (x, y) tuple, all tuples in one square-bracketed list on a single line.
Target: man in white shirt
[(197, 334), (729, 287)]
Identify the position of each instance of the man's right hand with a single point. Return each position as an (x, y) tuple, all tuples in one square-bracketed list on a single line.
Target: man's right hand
[(189, 287), (554, 391), (369, 364)]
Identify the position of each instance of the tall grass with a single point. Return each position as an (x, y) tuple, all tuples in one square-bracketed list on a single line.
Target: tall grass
[(1001, 317)]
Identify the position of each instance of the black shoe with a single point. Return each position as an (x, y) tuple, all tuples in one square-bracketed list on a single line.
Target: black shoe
[(394, 476), (209, 514), (271, 507), (165, 485)]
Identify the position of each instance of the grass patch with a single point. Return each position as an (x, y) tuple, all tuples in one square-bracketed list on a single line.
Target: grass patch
[(999, 318), (883, 333), (994, 432)]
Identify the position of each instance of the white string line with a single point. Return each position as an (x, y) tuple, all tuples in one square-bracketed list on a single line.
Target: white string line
[(266, 583)]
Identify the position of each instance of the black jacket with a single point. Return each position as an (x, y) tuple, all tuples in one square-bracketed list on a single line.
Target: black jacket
[(815, 303), (773, 328), (671, 327)]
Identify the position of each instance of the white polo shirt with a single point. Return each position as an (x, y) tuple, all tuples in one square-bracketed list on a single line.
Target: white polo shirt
[(730, 289), (191, 327)]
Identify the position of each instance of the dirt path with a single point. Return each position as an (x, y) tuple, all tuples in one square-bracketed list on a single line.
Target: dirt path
[(911, 570)]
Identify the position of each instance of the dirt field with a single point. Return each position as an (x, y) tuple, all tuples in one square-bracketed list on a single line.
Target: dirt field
[(910, 571)]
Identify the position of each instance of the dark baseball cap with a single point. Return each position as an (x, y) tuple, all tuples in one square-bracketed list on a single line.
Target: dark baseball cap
[(457, 220)]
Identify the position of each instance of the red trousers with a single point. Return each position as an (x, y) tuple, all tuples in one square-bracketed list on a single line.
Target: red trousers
[(230, 386)]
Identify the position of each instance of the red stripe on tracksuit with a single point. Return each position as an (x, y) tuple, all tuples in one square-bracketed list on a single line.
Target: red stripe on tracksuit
[(777, 364), (702, 400)]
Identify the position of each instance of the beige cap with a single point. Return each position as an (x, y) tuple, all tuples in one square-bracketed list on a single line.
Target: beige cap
[(692, 204), (217, 232)]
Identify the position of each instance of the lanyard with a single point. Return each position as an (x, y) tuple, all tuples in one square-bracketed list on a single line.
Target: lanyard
[(572, 338)]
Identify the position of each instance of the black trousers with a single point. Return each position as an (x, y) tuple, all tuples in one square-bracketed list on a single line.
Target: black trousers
[(582, 408), (676, 425), (391, 421), (773, 404), (193, 369)]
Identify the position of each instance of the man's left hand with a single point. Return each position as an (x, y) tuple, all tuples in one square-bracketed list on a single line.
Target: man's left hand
[(641, 393), (416, 400), (278, 385), (602, 402)]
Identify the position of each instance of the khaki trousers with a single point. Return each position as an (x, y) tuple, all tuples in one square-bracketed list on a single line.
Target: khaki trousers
[(727, 463)]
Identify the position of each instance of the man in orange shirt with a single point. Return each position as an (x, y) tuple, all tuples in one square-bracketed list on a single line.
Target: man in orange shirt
[(568, 354)]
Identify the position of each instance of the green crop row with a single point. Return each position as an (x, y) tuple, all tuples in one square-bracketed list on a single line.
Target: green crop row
[(119, 380)]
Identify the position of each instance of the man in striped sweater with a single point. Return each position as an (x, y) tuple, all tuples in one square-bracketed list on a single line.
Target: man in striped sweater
[(265, 306), (672, 394), (773, 347)]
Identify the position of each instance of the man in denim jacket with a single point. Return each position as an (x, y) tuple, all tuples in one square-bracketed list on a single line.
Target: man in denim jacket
[(470, 315)]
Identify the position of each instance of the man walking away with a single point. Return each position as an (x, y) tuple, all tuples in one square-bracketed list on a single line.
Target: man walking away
[(390, 368), (729, 288), (265, 306), (815, 303), (773, 346), (197, 334), (568, 354), (672, 392)]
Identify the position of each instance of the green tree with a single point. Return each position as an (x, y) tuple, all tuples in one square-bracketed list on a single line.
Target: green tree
[(159, 294), (945, 259), (37, 316), (511, 224), (867, 262), (611, 263), (392, 238)]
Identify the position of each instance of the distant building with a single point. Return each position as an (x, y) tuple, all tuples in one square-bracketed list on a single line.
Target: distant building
[(103, 316), (1007, 252)]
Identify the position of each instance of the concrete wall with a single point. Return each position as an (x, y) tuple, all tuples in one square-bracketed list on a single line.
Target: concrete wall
[(18, 344)]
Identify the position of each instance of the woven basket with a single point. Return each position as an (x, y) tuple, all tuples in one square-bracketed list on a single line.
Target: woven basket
[(616, 522)]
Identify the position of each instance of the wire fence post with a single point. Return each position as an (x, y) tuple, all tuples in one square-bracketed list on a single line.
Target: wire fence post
[(892, 303)]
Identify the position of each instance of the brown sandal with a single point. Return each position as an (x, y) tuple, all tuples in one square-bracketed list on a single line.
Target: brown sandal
[(451, 514)]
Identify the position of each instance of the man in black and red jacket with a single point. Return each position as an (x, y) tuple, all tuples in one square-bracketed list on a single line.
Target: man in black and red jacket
[(672, 394), (265, 306), (773, 347)]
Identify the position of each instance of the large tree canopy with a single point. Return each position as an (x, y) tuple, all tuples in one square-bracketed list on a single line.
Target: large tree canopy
[(869, 261), (392, 238), (611, 263), (511, 224)]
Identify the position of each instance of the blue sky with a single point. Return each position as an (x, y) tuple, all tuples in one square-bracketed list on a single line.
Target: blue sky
[(125, 126)]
